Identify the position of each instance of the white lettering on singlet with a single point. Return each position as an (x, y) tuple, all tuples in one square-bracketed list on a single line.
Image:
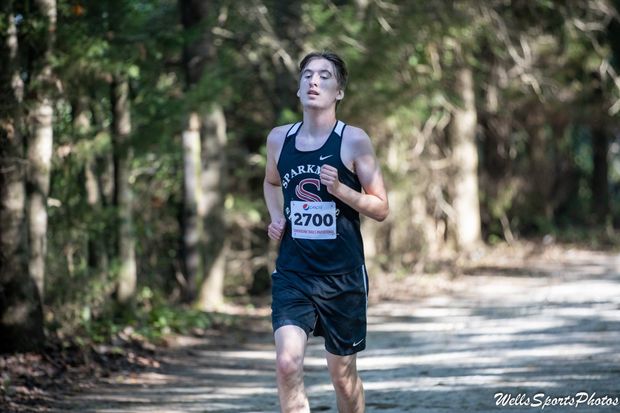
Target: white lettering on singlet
[(301, 169)]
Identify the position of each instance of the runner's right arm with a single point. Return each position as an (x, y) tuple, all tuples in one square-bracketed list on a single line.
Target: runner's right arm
[(271, 186)]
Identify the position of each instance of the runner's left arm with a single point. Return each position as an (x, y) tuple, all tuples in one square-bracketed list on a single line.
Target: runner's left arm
[(373, 201)]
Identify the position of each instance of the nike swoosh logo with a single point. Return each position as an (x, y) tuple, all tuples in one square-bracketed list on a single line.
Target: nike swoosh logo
[(322, 158), (358, 343)]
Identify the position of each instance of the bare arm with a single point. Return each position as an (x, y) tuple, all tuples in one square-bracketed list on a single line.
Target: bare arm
[(373, 201), (271, 185)]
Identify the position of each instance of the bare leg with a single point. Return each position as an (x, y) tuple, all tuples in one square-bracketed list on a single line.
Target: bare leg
[(290, 349), (347, 383)]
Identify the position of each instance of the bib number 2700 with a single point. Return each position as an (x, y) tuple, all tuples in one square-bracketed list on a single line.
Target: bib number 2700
[(313, 220), (316, 219)]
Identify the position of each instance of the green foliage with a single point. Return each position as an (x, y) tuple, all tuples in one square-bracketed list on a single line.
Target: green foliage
[(288, 116), (402, 58), (152, 318)]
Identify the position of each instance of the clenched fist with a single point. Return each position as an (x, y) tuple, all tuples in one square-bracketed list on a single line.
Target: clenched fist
[(329, 178), (275, 230)]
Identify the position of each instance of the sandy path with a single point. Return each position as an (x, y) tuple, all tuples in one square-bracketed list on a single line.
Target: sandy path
[(550, 327)]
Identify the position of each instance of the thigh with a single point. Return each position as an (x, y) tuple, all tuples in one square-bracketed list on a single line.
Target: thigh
[(291, 342), (341, 366), (291, 303), (341, 307)]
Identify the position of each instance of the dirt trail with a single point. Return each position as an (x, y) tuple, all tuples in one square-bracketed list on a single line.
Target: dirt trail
[(550, 326)]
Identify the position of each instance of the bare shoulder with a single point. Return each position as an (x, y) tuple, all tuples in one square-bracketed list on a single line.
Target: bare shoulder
[(356, 139), (277, 135), (354, 133), (275, 141)]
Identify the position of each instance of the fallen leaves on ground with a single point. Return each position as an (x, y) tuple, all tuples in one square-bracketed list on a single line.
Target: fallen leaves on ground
[(30, 382)]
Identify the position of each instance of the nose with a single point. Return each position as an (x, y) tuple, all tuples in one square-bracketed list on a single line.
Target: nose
[(314, 79)]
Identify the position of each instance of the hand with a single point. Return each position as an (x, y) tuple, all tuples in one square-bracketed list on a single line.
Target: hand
[(275, 230), (329, 178)]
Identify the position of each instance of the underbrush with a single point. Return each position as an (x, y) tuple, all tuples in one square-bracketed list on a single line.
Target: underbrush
[(86, 343)]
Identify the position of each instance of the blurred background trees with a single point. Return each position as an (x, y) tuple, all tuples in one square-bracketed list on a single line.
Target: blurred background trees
[(132, 139)]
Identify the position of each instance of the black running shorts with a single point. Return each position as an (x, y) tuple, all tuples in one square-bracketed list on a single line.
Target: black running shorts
[(332, 306)]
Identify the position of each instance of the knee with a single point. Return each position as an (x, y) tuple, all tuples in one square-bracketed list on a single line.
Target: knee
[(288, 366), (345, 384)]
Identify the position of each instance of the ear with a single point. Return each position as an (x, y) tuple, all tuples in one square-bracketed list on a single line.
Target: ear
[(298, 93), (340, 95)]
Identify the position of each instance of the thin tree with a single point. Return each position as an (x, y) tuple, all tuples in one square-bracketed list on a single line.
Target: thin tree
[(40, 144), (123, 197), (21, 315), (462, 134), (206, 191)]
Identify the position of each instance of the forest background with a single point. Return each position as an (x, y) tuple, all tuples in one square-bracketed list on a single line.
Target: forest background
[(132, 144)]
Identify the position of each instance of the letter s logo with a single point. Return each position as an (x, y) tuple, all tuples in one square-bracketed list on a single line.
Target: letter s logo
[(305, 195)]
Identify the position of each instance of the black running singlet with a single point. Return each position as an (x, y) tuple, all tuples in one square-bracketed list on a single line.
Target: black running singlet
[(322, 233)]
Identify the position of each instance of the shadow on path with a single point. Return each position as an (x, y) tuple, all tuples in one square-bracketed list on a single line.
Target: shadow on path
[(503, 331)]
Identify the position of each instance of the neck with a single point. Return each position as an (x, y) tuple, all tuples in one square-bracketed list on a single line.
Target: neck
[(318, 123)]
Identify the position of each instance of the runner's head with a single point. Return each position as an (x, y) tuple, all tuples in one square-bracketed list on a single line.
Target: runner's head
[(323, 79)]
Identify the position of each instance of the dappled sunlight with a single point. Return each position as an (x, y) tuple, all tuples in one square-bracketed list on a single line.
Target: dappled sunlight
[(378, 362), (465, 383), (408, 327), (166, 165), (240, 355), (441, 353)]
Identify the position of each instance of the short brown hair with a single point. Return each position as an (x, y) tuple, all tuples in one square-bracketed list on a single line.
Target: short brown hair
[(342, 74)]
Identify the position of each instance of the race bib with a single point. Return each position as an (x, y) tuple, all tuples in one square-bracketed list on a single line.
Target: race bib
[(313, 220)]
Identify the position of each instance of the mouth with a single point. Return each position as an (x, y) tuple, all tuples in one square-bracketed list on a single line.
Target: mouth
[(313, 92)]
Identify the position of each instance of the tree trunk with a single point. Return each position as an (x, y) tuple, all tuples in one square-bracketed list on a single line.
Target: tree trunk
[(541, 171), (213, 184), (198, 54), (212, 289), (39, 161), (192, 199), (462, 134), (21, 315), (496, 123), (195, 56), (600, 174), (123, 154), (96, 250), (97, 256), (40, 146), (288, 30)]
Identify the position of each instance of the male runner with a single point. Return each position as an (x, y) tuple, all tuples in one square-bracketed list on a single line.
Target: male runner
[(320, 175)]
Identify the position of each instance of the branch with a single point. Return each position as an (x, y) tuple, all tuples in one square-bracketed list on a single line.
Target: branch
[(272, 40)]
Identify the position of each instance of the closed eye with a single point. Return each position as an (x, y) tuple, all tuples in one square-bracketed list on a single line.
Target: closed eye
[(325, 74)]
